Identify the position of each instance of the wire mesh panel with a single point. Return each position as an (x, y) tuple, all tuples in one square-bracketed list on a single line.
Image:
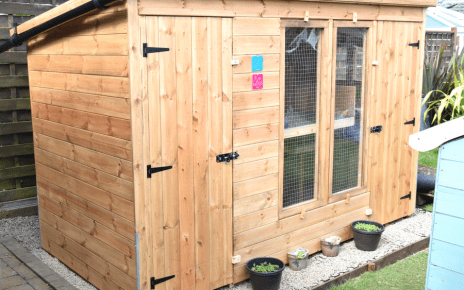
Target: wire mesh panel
[(348, 108), (301, 95)]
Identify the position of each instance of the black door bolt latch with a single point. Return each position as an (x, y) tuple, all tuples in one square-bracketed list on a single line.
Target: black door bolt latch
[(227, 157), (376, 129)]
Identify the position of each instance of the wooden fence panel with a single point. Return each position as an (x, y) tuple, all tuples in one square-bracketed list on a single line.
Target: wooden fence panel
[(17, 169)]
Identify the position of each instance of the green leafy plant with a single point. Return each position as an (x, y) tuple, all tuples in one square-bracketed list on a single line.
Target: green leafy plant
[(443, 87), (367, 227), (265, 267), (300, 255), (429, 207)]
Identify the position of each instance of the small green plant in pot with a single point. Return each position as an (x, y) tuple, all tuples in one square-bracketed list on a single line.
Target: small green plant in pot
[(367, 234), (298, 259), (265, 273)]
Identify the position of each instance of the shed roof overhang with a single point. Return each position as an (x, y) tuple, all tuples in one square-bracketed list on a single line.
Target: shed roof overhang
[(438, 135)]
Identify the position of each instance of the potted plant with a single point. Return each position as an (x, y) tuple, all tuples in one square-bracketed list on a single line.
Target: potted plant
[(298, 259), (331, 246), (366, 234), (265, 273)]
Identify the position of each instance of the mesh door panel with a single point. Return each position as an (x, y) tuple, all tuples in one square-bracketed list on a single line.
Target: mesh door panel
[(348, 108)]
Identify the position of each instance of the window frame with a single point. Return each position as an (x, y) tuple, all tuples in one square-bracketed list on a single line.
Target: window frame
[(318, 199), (366, 83)]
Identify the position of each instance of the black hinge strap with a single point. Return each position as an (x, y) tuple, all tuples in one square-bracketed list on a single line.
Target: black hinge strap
[(406, 196), (413, 122), (415, 44), (154, 282), (150, 170), (147, 50)]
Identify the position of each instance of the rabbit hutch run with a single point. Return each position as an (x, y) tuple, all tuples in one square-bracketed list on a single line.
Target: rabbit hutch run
[(183, 138)]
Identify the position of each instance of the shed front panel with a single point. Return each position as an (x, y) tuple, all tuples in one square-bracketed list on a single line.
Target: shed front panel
[(188, 94)]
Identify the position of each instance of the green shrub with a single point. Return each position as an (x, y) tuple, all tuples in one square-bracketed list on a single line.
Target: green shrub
[(265, 268), (367, 227)]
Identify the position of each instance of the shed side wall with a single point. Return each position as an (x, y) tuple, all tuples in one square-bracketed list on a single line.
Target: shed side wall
[(79, 83)]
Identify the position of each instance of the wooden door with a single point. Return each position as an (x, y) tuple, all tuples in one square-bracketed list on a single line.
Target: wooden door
[(396, 100), (189, 92)]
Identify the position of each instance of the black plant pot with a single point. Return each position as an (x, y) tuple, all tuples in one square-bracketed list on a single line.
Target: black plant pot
[(364, 240), (265, 281)]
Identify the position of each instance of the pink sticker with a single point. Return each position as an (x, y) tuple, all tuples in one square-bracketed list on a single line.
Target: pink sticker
[(257, 81)]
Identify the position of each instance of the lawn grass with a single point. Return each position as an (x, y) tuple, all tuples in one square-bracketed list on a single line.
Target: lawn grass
[(408, 274), (429, 158)]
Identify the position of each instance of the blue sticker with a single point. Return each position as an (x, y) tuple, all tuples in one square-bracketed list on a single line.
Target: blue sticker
[(257, 63)]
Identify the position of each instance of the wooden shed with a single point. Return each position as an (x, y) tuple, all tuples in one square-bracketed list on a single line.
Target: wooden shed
[(318, 99), (446, 251)]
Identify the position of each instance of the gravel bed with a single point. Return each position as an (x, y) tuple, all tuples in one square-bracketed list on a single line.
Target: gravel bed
[(26, 231), (321, 269)]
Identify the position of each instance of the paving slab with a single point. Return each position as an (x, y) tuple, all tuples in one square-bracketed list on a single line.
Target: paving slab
[(20, 269)]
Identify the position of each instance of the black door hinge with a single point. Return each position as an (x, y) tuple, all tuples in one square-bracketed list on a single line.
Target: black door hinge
[(376, 129), (413, 122), (154, 282), (147, 50), (415, 44), (150, 170), (406, 196), (227, 157)]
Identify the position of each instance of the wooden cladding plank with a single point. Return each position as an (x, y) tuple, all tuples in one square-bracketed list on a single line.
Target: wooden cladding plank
[(24, 8), (15, 104), (255, 186), (80, 64), (65, 7), (55, 242), (257, 134), (255, 99), (96, 246), (104, 216), (13, 81), (105, 181), (114, 203), (83, 261), (13, 57), (270, 63), (99, 85), (102, 45), (96, 24), (255, 219), (201, 152), (255, 169), (20, 193), (4, 33), (255, 117), (102, 143), (91, 227), (243, 82), (297, 237), (107, 125), (19, 171), (256, 26), (257, 151), (108, 106), (109, 164), (16, 150), (17, 127), (255, 202), (293, 9), (256, 44), (294, 223)]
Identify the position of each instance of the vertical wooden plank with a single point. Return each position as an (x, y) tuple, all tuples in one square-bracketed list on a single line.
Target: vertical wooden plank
[(154, 200), (185, 149), (419, 30), (215, 119), (227, 147), (138, 138), (281, 119), (370, 108), (168, 92), (201, 153), (332, 109)]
